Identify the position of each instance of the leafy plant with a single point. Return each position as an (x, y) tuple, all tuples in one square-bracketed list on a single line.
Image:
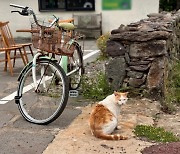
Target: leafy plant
[(96, 87), (172, 88), (155, 134), (168, 5), (101, 43)]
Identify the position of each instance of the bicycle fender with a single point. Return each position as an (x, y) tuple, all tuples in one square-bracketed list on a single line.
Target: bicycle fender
[(24, 70), (46, 57), (29, 65), (77, 45)]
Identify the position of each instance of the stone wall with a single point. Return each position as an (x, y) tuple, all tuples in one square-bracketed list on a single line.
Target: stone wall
[(140, 53)]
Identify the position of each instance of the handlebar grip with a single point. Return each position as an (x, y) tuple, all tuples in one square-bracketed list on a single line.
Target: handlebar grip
[(18, 6), (14, 11), (23, 13)]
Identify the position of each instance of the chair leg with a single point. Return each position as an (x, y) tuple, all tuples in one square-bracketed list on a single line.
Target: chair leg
[(31, 51), (14, 59), (6, 62), (25, 55), (9, 63), (22, 56)]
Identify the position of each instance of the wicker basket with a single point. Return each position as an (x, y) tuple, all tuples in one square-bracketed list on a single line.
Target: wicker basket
[(52, 40)]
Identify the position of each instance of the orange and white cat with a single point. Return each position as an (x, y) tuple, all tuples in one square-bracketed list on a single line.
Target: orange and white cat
[(104, 117)]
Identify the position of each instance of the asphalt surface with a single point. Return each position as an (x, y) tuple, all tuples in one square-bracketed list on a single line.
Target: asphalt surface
[(17, 136)]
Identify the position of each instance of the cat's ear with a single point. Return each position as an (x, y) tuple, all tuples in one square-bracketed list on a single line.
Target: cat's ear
[(116, 93), (126, 93)]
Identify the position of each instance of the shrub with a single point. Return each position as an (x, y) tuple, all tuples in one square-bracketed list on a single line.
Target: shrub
[(172, 89), (168, 5), (101, 43)]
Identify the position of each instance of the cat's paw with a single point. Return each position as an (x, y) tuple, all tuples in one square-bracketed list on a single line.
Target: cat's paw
[(118, 127), (125, 138)]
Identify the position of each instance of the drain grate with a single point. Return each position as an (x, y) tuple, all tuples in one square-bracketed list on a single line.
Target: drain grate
[(73, 93)]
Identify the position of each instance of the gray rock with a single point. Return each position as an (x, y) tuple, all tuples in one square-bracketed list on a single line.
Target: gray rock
[(135, 74), (140, 36), (139, 62), (140, 68), (156, 73), (115, 71), (127, 58), (148, 49), (119, 30), (115, 49), (136, 83), (155, 15)]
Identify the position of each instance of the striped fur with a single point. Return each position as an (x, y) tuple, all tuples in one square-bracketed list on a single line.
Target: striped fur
[(104, 117), (110, 137)]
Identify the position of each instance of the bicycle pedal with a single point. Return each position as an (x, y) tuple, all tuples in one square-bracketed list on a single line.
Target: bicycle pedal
[(73, 93)]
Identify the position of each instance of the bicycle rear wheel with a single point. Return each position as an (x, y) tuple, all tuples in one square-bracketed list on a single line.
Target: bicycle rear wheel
[(75, 65), (47, 102)]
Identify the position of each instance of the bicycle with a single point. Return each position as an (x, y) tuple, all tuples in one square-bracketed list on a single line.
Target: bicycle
[(44, 83)]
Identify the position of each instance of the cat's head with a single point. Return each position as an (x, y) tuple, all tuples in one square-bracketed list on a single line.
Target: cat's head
[(121, 97)]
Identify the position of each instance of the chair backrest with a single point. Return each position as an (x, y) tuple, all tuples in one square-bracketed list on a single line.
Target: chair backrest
[(6, 34), (87, 20), (1, 42)]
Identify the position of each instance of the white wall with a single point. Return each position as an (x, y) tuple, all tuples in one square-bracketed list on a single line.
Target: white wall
[(139, 10), (110, 19)]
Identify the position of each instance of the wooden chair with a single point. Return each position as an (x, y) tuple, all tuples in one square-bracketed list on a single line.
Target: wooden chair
[(7, 44), (88, 24)]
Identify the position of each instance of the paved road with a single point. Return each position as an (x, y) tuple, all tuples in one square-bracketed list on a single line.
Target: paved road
[(17, 136)]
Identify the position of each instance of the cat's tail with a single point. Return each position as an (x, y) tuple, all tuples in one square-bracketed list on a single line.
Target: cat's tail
[(110, 137)]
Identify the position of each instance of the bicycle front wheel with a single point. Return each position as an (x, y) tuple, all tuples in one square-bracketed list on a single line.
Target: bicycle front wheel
[(44, 102)]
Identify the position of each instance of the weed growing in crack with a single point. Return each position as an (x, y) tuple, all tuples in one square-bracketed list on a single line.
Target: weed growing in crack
[(155, 134), (96, 87)]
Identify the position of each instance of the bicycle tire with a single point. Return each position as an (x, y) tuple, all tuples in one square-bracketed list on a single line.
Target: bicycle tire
[(46, 104), (75, 62)]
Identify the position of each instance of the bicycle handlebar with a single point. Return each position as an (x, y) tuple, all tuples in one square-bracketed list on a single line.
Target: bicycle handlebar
[(18, 6), (26, 11)]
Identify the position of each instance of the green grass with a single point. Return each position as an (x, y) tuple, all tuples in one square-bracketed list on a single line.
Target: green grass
[(155, 134), (96, 87)]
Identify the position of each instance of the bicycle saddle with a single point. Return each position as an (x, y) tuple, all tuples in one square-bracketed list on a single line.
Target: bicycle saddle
[(67, 26)]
